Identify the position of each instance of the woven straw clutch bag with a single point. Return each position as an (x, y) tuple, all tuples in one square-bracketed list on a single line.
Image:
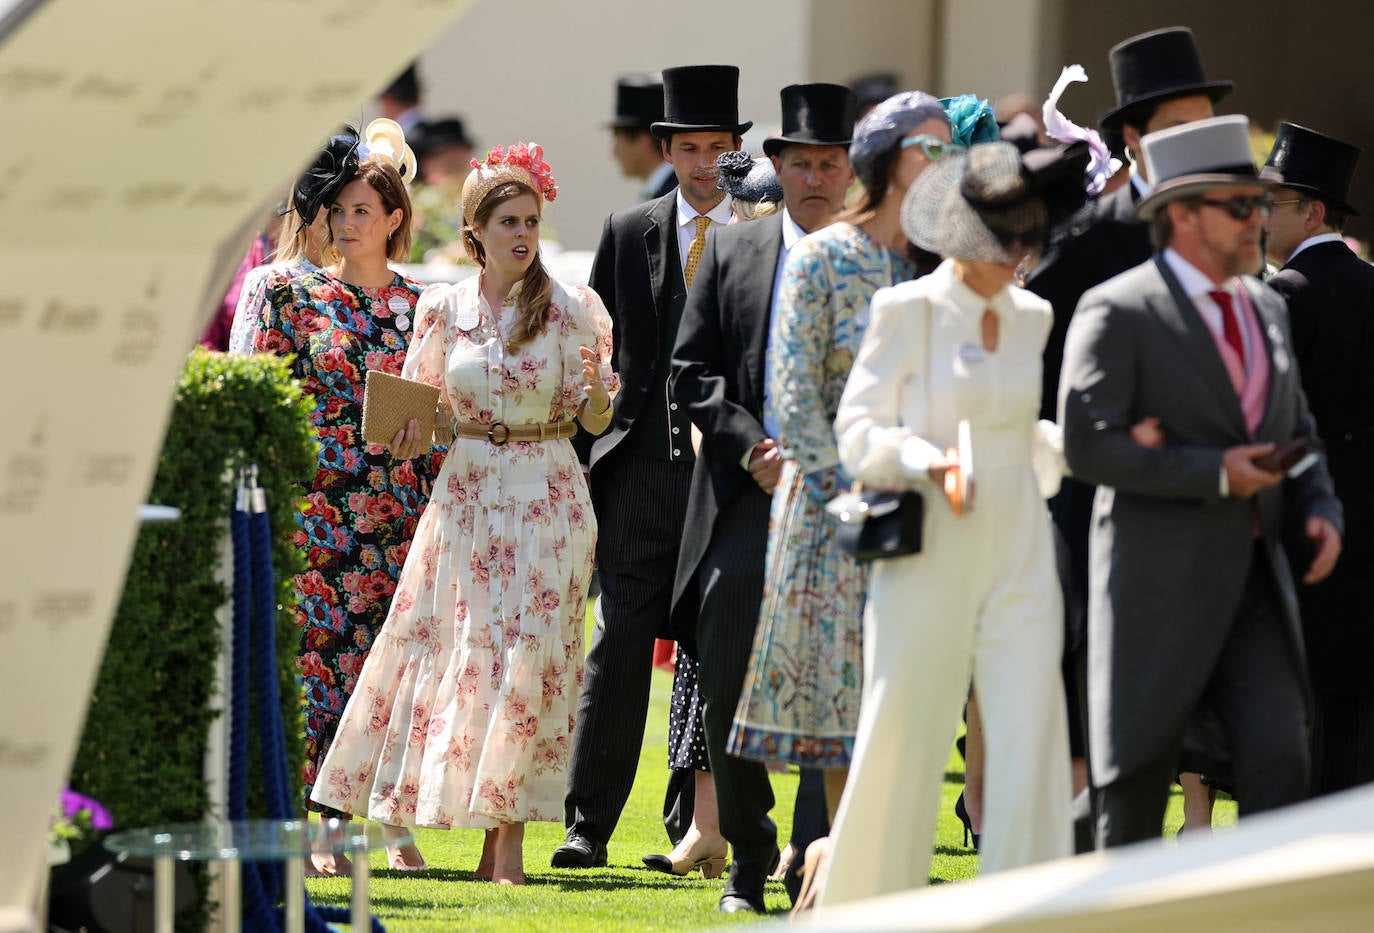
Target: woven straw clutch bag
[(390, 401)]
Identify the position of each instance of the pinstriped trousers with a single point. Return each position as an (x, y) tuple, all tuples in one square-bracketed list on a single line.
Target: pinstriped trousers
[(641, 507)]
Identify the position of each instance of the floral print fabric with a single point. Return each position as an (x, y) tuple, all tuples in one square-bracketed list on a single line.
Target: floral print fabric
[(362, 507), (801, 696), (463, 714)]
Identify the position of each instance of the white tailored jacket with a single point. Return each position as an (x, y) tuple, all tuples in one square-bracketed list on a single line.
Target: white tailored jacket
[(922, 369)]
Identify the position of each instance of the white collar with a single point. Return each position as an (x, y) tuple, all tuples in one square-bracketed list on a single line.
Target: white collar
[(686, 213), (1316, 241), (1142, 187), (1194, 281), (969, 303), (791, 233), (657, 176)]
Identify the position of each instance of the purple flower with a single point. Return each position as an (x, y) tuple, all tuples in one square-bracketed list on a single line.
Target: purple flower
[(74, 804)]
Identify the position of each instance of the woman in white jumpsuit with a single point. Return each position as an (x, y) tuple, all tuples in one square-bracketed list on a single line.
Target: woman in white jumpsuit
[(982, 597)]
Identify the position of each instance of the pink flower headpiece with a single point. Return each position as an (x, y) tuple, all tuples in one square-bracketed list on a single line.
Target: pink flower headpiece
[(522, 162)]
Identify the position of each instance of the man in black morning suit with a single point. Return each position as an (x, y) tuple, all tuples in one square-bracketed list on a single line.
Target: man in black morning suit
[(718, 376), (641, 467), (1159, 82), (1330, 295)]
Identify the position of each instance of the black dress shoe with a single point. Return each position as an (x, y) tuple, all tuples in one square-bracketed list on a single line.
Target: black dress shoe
[(579, 851), (738, 903), (744, 887)]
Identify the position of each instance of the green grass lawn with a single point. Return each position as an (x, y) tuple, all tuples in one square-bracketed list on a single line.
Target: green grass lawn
[(624, 895)]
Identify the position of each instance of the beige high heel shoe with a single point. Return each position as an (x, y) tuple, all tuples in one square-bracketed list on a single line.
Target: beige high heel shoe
[(711, 865)]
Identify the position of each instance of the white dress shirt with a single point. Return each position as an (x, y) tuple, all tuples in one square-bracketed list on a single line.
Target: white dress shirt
[(1197, 286), (686, 223)]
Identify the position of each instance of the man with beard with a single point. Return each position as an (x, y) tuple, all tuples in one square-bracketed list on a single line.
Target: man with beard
[(1192, 601)]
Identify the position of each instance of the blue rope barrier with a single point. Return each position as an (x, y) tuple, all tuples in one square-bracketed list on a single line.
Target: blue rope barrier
[(255, 648)]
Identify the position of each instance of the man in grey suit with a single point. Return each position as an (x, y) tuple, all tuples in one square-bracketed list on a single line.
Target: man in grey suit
[(1192, 603)]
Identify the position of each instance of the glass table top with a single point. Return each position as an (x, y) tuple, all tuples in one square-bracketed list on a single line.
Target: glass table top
[(250, 840)]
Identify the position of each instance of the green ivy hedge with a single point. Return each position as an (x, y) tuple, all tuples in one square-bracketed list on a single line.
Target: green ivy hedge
[(142, 750)]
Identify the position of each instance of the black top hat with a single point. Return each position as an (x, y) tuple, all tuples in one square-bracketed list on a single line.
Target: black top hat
[(874, 88), (700, 99), (429, 135), (1312, 162), (405, 86), (1155, 67), (815, 115), (638, 101)]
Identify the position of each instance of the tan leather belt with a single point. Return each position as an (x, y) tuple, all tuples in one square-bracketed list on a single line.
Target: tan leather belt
[(500, 433)]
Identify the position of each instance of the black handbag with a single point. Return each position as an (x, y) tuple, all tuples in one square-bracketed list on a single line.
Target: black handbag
[(873, 525)]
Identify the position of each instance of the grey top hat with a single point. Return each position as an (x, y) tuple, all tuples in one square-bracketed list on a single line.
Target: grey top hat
[(1186, 160), (1313, 163), (1158, 66)]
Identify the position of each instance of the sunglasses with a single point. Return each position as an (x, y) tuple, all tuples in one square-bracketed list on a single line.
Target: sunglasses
[(1242, 208), (934, 147)]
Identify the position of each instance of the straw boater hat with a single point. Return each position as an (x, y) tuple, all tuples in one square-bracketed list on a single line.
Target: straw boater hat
[(522, 162), (972, 204), (1313, 163), (1187, 160), (1157, 66)]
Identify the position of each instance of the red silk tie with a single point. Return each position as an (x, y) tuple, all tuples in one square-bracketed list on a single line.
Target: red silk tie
[(1230, 327)]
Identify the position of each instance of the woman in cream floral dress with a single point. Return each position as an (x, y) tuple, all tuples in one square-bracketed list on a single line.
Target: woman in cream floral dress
[(463, 714)]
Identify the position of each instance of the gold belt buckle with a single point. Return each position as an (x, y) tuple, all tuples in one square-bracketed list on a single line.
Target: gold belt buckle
[(498, 434)]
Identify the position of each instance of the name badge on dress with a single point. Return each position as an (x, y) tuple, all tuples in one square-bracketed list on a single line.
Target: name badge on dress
[(971, 354), (466, 319), (399, 307)]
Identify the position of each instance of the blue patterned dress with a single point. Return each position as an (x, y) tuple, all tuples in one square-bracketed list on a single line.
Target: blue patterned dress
[(801, 697)]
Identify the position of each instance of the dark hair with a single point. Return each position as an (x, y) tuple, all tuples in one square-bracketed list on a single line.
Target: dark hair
[(863, 211), (536, 287), (382, 176), (1162, 226), (666, 142), (630, 132), (1139, 115), (1336, 217)]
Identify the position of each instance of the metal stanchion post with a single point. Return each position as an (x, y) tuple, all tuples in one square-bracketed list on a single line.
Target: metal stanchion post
[(163, 894), (295, 895), (361, 914), (232, 908)]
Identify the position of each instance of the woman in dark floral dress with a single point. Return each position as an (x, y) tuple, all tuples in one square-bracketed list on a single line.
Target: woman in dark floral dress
[(362, 507)]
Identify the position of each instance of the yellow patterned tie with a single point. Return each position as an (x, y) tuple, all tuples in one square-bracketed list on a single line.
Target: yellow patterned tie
[(694, 251)]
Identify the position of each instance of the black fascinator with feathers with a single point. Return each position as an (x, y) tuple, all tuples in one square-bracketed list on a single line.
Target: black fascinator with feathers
[(334, 167)]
